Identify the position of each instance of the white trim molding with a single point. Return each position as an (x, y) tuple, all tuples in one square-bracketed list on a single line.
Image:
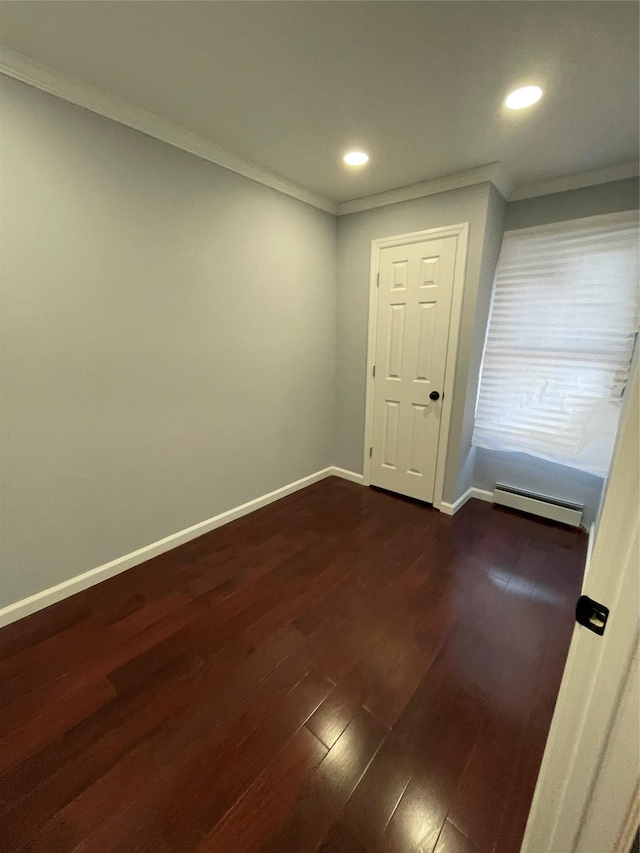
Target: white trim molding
[(575, 181), (348, 475), (20, 67), (461, 233), (40, 600), (29, 71), (492, 172), (481, 495), (478, 494)]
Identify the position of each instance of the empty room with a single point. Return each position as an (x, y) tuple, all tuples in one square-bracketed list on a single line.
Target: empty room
[(319, 421)]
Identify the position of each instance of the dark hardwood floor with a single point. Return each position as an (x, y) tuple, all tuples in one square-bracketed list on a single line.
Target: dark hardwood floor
[(343, 670)]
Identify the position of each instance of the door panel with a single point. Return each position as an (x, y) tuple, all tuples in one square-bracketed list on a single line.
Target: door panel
[(396, 342), (426, 329), (412, 331), (419, 425), (390, 442)]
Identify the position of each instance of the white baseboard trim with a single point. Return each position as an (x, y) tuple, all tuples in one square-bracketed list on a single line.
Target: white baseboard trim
[(40, 600), (348, 475), (479, 494), (452, 508)]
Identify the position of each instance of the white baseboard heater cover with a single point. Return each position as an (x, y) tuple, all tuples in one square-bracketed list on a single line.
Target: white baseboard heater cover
[(547, 507)]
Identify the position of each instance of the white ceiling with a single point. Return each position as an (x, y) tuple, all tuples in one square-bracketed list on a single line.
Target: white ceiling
[(419, 85)]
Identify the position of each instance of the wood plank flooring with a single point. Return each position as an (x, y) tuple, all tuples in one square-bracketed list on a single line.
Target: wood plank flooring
[(343, 670)]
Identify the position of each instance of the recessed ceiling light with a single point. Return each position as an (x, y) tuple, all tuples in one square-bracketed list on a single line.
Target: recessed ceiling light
[(356, 158), (524, 97)]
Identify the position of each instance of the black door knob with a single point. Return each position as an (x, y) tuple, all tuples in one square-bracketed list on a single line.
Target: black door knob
[(434, 395)]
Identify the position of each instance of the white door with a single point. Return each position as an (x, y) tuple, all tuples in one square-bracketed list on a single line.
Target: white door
[(414, 307), (591, 762)]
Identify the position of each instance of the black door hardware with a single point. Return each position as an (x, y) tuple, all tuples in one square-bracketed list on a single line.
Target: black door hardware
[(591, 614), (434, 395)]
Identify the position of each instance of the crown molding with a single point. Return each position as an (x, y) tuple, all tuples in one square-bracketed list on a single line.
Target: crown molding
[(23, 68), (492, 172), (20, 67), (576, 181)]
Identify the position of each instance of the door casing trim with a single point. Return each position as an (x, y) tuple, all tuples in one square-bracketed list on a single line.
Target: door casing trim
[(461, 233)]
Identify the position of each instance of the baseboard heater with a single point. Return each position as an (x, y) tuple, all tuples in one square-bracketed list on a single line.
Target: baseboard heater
[(547, 507)]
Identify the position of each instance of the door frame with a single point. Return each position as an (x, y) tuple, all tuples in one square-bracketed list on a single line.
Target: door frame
[(461, 233)]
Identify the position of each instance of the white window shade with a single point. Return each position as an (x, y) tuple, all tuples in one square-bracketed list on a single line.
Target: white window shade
[(560, 341)]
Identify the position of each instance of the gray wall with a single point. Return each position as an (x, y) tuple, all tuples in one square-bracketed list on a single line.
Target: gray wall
[(355, 233), (548, 478), (572, 204), (518, 469), (168, 340), (494, 229), (173, 344)]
